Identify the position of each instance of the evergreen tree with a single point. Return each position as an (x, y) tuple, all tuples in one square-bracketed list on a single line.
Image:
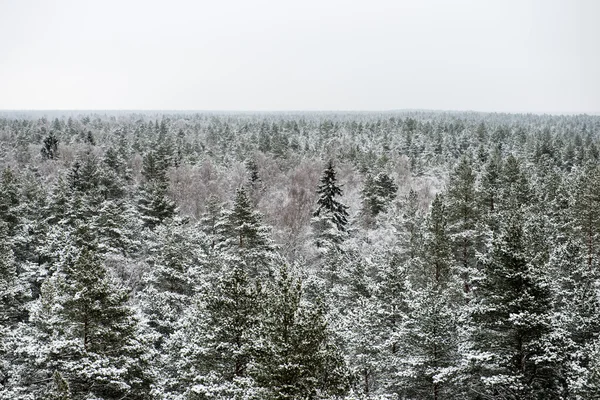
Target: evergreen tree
[(32, 226), (463, 216), (390, 296), (512, 322), (172, 279), (83, 328), (253, 171), (154, 205), (60, 388), (408, 226), (9, 200), (490, 183), (429, 352), (297, 358), (586, 212), (576, 318), (210, 219), (84, 175), (154, 168), (515, 185), (11, 289), (330, 220), (12, 296), (244, 235), (218, 339), (438, 245), (116, 224), (50, 147), (377, 193)]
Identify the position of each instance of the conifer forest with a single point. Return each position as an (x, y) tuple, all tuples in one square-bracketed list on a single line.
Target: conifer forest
[(299, 255)]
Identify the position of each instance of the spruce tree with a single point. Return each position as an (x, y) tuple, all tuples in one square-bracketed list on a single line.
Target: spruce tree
[(330, 220), (84, 175), (154, 168), (9, 200), (243, 235), (50, 147), (154, 204), (515, 190), (252, 168)]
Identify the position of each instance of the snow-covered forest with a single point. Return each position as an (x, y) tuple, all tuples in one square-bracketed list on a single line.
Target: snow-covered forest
[(400, 255)]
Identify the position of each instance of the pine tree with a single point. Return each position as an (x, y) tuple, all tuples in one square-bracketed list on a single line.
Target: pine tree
[(12, 309), (391, 313), (429, 353), (32, 226), (242, 225), (512, 321), (212, 351), (209, 220), (586, 212), (463, 216), (297, 358), (98, 316), (409, 228), (172, 279), (117, 224), (490, 183), (377, 193), (576, 318), (82, 327), (11, 292), (57, 206), (438, 246)]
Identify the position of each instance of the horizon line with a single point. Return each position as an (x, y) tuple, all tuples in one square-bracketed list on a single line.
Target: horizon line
[(292, 111)]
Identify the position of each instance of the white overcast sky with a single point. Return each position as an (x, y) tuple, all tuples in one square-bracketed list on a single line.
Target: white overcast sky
[(504, 55)]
